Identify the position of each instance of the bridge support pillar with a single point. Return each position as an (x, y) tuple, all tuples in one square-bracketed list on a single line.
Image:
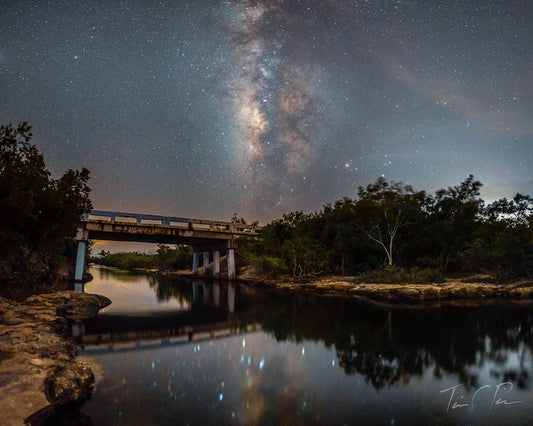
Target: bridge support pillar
[(195, 263), (231, 264), (216, 263), (81, 236), (205, 262), (80, 261)]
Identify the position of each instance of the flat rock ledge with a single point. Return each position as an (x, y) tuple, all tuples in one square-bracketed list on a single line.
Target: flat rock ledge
[(451, 289), (38, 368)]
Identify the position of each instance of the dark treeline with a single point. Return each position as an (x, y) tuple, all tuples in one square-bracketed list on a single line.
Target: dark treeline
[(164, 258), (403, 235), (39, 215)]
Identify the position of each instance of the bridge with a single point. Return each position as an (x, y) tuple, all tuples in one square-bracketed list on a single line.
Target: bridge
[(136, 341), (203, 235)]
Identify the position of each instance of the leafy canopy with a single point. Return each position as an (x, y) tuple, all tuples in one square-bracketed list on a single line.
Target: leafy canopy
[(38, 214)]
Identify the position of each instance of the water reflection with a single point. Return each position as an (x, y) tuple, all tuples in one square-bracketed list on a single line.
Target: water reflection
[(228, 354), (391, 344), (135, 293), (152, 307)]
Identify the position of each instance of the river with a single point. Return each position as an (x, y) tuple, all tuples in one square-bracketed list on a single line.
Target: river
[(200, 352)]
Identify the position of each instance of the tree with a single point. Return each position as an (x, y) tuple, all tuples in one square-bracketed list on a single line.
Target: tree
[(383, 208), (503, 244), (455, 214), (451, 231), (238, 220), (289, 244), (39, 214)]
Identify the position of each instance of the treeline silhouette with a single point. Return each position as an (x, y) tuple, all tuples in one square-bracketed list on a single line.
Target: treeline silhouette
[(164, 258), (402, 234), (39, 215)]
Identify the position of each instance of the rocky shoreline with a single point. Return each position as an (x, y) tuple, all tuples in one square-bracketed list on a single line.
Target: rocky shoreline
[(450, 289), (38, 365), (350, 286)]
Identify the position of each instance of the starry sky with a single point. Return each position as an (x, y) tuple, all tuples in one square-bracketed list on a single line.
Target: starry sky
[(205, 108)]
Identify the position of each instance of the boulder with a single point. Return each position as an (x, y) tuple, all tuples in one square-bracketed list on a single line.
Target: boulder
[(69, 383)]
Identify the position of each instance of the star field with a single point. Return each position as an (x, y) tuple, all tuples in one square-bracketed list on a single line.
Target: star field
[(205, 108)]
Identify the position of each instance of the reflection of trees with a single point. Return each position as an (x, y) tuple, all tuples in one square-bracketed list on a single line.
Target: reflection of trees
[(115, 274), (397, 344), (388, 345), (167, 288), (516, 336)]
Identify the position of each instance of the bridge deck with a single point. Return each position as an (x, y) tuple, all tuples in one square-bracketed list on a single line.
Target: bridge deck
[(100, 216), (120, 226)]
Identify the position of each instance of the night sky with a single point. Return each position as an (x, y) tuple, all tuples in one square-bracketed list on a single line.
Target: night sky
[(205, 108)]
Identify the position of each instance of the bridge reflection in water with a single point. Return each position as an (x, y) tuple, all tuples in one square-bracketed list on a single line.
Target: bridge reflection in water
[(210, 316)]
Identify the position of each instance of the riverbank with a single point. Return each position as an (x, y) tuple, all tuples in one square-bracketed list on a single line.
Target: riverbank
[(450, 289), (351, 286), (38, 365)]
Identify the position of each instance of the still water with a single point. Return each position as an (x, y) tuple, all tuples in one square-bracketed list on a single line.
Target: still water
[(194, 352)]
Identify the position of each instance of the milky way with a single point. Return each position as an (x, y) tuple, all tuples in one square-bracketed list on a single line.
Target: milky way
[(276, 108), (207, 108)]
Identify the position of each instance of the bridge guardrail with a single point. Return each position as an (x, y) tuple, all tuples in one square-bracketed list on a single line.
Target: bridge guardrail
[(171, 221)]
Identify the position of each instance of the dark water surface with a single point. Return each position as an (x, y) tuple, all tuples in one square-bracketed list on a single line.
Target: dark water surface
[(193, 352)]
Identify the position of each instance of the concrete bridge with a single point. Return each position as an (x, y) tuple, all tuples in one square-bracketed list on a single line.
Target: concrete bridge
[(204, 236)]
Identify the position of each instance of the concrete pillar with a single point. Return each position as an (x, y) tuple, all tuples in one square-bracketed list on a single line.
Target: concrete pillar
[(195, 263), (231, 298), (216, 263), (80, 262), (231, 264), (205, 261)]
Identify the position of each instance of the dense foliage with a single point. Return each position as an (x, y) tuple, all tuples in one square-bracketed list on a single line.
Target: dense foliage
[(39, 215), (164, 258), (393, 226)]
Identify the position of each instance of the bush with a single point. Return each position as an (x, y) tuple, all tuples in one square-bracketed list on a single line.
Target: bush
[(127, 261), (271, 265), (164, 258), (177, 258)]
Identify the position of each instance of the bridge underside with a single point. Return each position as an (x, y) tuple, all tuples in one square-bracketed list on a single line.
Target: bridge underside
[(198, 243)]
